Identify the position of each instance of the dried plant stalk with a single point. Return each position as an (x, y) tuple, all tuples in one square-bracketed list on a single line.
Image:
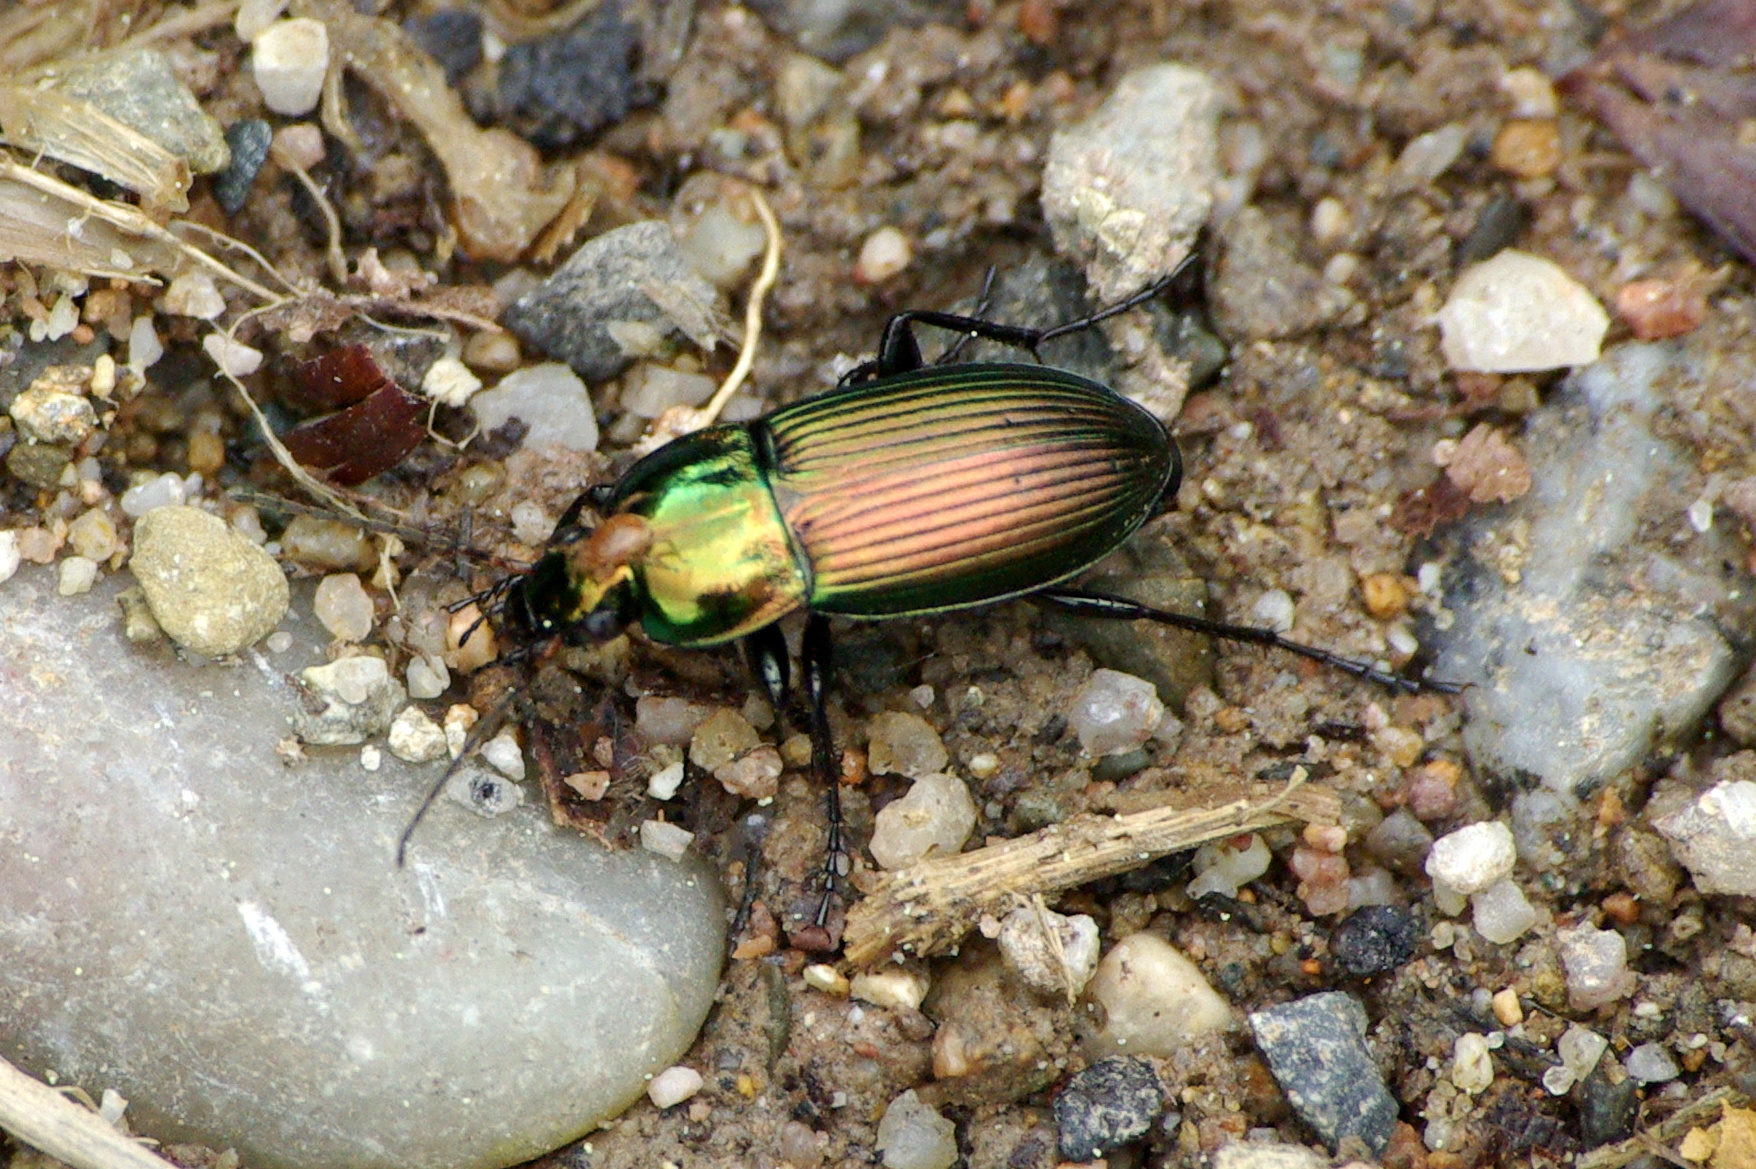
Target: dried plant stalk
[(49, 122), (46, 1120), (928, 907)]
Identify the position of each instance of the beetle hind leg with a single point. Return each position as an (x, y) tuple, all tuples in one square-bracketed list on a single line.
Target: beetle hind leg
[(1084, 603)]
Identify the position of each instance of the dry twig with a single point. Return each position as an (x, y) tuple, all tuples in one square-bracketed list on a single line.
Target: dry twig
[(928, 907), (46, 1120)]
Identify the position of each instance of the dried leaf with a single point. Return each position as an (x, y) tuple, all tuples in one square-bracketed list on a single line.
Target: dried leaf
[(1677, 94), (339, 378), (372, 435), (45, 221)]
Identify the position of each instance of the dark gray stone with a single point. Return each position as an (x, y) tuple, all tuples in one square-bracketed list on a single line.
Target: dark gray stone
[(1316, 1048), (1110, 1103), (249, 141), (616, 290)]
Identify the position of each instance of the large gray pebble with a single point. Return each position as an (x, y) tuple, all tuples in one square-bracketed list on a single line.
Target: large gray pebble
[(1606, 641), (208, 586), (223, 937), (622, 295)]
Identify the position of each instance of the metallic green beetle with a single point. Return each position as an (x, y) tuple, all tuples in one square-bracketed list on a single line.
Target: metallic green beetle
[(942, 488), (908, 489)]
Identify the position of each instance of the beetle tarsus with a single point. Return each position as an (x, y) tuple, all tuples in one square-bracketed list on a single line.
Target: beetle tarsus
[(1091, 604)]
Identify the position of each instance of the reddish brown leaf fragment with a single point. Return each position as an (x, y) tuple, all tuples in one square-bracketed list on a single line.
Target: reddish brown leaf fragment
[(339, 378), (372, 435), (1427, 508)]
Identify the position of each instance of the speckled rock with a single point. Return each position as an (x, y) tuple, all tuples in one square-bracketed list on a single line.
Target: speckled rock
[(220, 933), (1126, 189), (209, 587), (1316, 1048)]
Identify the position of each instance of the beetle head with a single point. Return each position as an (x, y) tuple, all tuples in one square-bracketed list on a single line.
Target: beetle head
[(583, 589)]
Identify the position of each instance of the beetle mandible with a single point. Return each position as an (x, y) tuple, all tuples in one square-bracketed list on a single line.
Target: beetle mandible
[(908, 489)]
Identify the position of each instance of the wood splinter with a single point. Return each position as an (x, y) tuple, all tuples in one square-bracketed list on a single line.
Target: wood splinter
[(928, 907)]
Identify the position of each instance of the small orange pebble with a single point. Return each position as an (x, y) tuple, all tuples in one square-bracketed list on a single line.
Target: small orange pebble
[(1623, 908), (1656, 309), (1311, 967), (1528, 148), (752, 948), (1385, 595), (1040, 22), (1231, 719)]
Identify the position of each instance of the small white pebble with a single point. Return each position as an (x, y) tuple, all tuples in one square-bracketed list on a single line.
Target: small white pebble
[(144, 346), (1274, 610), (103, 375), (885, 253), (901, 743), (193, 294), (826, 978), (1468, 861), (504, 754), (984, 765), (1472, 1065), (233, 357), (371, 758), (343, 606), (449, 382), (415, 737), (63, 318), (1650, 1063), (673, 1086), (93, 535), (914, 1135), (934, 818), (279, 642), (10, 558), (891, 988), (1701, 515), (427, 676), (922, 696), (165, 490), (664, 782), (1220, 868), (289, 59), (1115, 712), (531, 522), (77, 576), (665, 839), (299, 145)]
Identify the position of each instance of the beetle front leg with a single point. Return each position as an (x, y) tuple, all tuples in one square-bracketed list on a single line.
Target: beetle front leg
[(1085, 603)]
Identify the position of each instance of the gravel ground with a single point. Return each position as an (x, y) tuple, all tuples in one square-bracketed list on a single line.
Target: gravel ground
[(1309, 468)]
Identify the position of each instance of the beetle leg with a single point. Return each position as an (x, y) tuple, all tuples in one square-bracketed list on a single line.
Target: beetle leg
[(815, 658), (766, 652), (1090, 604), (900, 352)]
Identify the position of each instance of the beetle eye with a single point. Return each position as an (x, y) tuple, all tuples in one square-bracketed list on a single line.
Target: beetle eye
[(601, 625)]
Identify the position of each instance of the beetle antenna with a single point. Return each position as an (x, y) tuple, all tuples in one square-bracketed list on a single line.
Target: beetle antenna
[(489, 725)]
